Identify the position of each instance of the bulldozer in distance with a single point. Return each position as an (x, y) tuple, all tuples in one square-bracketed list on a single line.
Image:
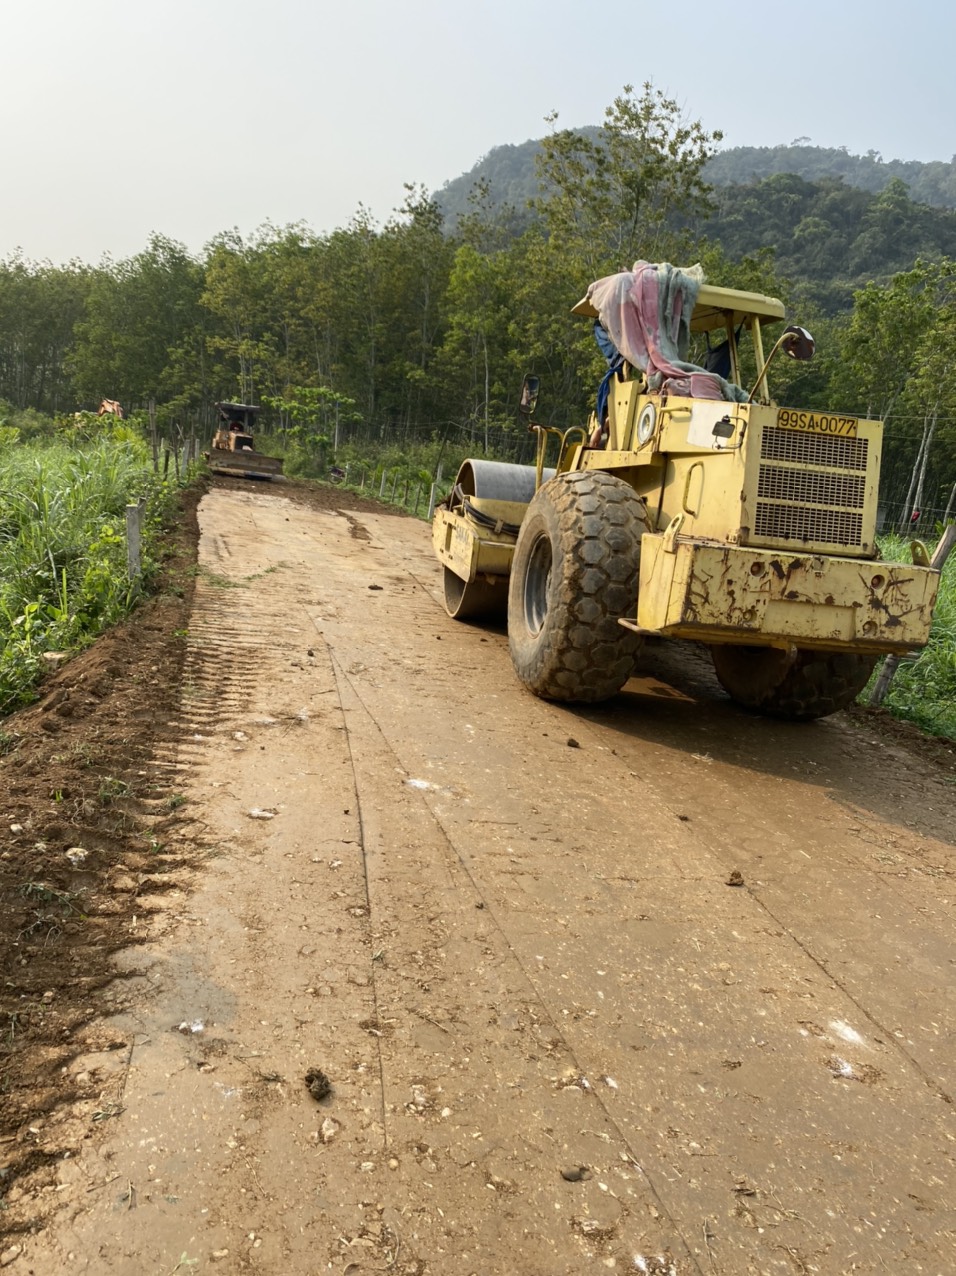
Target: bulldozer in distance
[(690, 506), (233, 448)]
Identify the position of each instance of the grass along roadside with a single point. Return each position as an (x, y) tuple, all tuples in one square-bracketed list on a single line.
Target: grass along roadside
[(63, 572), (924, 688)]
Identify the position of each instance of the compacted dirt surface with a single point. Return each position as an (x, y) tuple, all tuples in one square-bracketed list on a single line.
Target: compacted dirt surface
[(328, 948)]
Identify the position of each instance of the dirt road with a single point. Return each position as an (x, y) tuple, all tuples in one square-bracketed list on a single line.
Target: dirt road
[(559, 1037)]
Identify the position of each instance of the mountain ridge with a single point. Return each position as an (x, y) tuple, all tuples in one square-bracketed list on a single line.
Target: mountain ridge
[(509, 172)]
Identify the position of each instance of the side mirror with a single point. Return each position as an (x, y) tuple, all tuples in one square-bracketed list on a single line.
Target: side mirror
[(529, 395), (797, 343)]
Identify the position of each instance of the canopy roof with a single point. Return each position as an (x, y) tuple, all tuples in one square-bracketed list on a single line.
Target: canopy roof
[(234, 410), (715, 306)]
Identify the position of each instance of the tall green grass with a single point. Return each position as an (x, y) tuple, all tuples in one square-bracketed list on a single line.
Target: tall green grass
[(63, 572), (924, 688)]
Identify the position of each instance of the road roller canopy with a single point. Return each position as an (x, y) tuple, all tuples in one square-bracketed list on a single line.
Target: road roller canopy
[(716, 308)]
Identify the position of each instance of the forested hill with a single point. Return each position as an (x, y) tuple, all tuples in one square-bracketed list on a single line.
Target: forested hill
[(510, 173), (507, 171), (933, 183), (828, 236), (832, 229)]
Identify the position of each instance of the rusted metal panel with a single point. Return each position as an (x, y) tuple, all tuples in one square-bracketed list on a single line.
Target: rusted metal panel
[(725, 593)]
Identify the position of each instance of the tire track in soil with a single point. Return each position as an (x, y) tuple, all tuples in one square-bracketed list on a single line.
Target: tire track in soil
[(467, 975), (166, 1156)]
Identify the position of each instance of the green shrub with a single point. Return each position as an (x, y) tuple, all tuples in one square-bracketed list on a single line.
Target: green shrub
[(924, 688), (63, 570)]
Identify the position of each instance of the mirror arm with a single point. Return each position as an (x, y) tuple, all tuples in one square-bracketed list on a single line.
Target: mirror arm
[(766, 364), (798, 344)]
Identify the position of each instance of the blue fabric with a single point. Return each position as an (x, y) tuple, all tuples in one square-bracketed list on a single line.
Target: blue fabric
[(604, 393), (606, 345), (615, 362)]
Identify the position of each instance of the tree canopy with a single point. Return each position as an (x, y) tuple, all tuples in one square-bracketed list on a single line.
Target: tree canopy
[(413, 328)]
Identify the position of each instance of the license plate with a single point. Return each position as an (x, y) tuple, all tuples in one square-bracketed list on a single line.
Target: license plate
[(817, 423)]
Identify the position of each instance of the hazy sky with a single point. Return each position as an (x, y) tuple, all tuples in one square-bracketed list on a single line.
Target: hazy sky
[(194, 116)]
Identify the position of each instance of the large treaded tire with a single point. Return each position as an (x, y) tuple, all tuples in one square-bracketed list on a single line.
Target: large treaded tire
[(800, 687), (575, 572)]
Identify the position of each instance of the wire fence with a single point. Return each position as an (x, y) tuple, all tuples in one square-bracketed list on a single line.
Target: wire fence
[(497, 441), (899, 515), (417, 495), (917, 491)]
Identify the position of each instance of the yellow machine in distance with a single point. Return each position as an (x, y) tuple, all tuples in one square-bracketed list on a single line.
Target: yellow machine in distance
[(233, 448), (713, 515)]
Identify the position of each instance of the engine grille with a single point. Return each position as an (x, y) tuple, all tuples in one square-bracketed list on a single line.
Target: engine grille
[(814, 449), (811, 488), (798, 523)]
